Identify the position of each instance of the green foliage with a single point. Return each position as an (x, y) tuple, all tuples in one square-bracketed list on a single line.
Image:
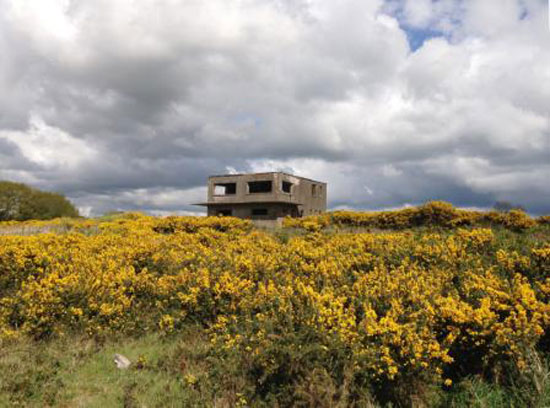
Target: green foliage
[(183, 370), (20, 202)]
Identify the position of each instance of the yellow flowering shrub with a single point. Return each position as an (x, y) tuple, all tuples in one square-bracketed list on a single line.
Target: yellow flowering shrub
[(432, 214), (393, 309)]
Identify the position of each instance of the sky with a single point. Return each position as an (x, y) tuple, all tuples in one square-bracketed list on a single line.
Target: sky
[(132, 104)]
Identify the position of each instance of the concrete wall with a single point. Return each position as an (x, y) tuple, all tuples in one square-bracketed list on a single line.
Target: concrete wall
[(274, 210), (308, 196), (311, 195)]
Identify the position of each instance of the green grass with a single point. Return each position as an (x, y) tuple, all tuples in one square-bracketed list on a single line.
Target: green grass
[(79, 372), (177, 371)]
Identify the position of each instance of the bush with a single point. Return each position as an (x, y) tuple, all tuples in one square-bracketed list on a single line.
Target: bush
[(433, 214), (329, 318)]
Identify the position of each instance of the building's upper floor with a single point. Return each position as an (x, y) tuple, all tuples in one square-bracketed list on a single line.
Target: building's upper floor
[(273, 187)]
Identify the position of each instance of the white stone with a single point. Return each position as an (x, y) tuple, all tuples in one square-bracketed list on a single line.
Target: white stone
[(122, 362)]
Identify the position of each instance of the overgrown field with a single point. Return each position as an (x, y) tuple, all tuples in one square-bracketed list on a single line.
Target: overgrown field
[(426, 306)]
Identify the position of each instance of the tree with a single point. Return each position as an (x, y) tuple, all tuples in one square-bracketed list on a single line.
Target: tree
[(21, 202)]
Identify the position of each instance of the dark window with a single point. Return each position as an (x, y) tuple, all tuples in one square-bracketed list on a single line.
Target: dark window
[(225, 188), (287, 186), (316, 190), (225, 213), (259, 186), (259, 211)]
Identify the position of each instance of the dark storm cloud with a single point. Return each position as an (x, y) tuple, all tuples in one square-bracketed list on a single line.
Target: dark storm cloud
[(12, 159), (132, 106)]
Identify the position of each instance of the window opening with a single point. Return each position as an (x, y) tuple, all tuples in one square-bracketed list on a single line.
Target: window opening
[(287, 186), (259, 186), (225, 188)]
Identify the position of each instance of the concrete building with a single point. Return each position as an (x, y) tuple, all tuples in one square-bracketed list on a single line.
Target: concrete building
[(265, 196)]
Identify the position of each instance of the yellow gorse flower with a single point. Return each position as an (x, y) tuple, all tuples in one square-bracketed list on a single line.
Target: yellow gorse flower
[(399, 303)]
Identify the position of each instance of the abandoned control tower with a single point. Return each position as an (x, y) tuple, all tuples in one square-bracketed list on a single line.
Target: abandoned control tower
[(265, 196)]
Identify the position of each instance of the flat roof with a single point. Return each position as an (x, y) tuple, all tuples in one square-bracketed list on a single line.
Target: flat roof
[(228, 204), (267, 172)]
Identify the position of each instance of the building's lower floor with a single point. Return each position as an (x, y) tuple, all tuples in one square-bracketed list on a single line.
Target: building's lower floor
[(255, 211)]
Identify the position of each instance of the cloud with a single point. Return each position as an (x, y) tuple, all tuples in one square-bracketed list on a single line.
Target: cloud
[(126, 105), (50, 148)]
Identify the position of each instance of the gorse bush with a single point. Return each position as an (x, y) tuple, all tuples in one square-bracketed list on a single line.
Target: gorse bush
[(170, 225), (331, 317), (431, 214)]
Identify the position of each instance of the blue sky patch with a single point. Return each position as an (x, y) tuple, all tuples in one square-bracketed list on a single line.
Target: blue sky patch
[(417, 36)]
